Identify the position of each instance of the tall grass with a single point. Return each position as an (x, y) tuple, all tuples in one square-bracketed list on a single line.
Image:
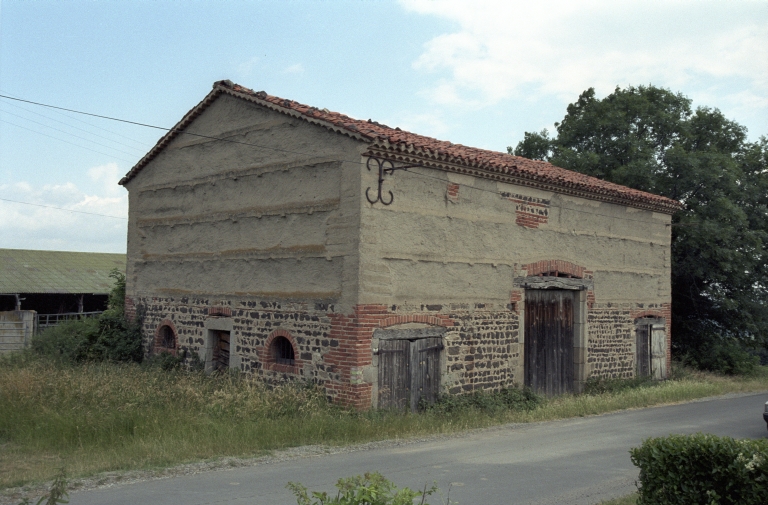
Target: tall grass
[(97, 417)]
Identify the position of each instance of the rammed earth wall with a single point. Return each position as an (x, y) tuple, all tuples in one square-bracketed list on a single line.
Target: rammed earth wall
[(279, 237)]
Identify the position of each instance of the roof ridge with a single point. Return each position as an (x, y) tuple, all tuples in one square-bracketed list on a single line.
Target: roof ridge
[(390, 138)]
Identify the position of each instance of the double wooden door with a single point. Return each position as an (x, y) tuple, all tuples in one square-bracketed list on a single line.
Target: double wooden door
[(409, 372), (549, 338)]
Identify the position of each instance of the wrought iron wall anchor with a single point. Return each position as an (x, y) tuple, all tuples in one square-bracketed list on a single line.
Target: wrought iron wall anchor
[(385, 167)]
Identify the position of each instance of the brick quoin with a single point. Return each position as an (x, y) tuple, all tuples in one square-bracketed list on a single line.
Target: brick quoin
[(355, 333), (130, 309), (268, 360)]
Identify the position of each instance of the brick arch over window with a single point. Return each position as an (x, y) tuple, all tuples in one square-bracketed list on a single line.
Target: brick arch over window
[(417, 318), (166, 334), (648, 314), (268, 357), (557, 268)]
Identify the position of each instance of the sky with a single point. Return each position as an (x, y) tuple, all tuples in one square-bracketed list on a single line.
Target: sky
[(479, 73)]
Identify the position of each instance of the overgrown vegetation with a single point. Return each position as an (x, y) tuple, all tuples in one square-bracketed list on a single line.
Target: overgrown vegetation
[(110, 337), (488, 402), (101, 416), (650, 138), (367, 489), (683, 469)]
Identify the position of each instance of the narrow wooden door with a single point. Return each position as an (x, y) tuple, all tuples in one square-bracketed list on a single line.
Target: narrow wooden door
[(548, 344), (643, 346), (394, 374), (221, 351), (425, 371), (659, 351)]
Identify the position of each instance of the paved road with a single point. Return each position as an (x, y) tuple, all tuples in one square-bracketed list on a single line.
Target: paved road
[(574, 461)]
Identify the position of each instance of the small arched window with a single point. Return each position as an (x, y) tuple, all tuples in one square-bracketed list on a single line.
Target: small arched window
[(167, 337), (282, 351)]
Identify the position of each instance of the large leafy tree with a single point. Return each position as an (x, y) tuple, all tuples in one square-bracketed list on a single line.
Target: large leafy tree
[(651, 139)]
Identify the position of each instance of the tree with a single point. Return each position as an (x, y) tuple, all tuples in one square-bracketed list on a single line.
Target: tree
[(651, 139)]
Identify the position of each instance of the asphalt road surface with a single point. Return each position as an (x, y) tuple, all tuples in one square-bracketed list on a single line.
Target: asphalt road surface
[(573, 461)]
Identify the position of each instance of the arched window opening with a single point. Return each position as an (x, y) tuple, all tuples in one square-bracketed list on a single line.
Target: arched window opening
[(282, 351), (167, 337)]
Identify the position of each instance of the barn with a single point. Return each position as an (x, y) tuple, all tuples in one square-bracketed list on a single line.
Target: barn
[(288, 241)]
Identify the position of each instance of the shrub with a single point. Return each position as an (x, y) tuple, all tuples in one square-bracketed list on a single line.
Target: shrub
[(368, 489), (110, 337), (490, 402), (723, 355), (685, 469)]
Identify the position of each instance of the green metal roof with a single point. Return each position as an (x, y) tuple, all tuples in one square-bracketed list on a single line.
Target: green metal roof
[(26, 271)]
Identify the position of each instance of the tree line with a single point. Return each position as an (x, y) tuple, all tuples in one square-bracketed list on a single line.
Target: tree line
[(651, 139)]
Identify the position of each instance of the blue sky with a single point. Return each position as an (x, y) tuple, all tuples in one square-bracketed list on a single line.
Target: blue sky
[(478, 72)]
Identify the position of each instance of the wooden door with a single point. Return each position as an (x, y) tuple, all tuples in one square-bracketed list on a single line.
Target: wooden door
[(221, 351), (409, 372), (659, 351), (548, 344), (425, 371), (643, 346), (394, 374)]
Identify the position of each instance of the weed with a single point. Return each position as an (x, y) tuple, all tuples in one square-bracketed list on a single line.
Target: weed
[(368, 489)]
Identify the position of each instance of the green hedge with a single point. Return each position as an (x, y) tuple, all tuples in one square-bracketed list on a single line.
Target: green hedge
[(702, 469)]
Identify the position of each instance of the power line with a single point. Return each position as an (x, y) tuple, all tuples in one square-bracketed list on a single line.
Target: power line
[(80, 129), (267, 147), (67, 133), (62, 140), (62, 208)]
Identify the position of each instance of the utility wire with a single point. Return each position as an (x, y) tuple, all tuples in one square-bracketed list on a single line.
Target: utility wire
[(75, 127), (68, 116), (62, 208), (277, 149), (68, 133), (62, 140)]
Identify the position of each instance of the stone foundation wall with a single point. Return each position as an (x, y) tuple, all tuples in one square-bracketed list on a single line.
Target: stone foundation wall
[(483, 348), (611, 337)]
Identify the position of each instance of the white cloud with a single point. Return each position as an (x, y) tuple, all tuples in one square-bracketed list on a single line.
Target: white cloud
[(296, 68), (40, 226), (502, 49), (245, 69)]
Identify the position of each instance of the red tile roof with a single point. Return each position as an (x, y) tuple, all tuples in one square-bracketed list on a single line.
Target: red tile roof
[(413, 148)]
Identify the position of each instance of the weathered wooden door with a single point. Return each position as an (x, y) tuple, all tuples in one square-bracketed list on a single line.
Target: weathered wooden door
[(643, 346), (221, 351), (549, 341), (394, 374), (651, 344), (659, 351), (409, 372)]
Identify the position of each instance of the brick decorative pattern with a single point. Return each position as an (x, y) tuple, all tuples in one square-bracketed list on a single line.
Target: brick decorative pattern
[(220, 311), (530, 212), (452, 193), (557, 268)]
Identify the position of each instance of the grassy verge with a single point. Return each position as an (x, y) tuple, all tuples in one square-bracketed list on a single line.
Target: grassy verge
[(630, 499), (101, 417)]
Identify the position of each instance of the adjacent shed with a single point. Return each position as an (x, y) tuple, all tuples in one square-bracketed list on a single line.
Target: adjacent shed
[(290, 241)]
